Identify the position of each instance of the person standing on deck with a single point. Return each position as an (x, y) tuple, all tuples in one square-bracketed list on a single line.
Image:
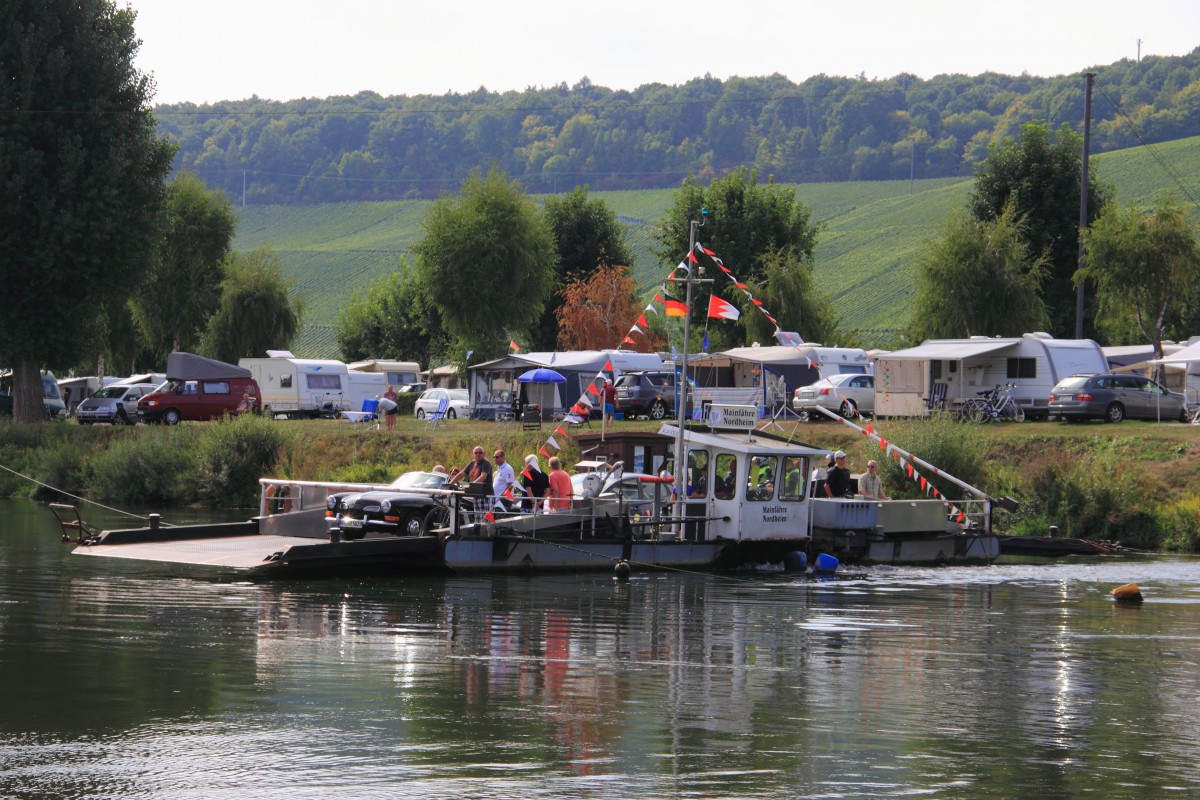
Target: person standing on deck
[(870, 485), (536, 483), (561, 491), (837, 481), (477, 470), (503, 479)]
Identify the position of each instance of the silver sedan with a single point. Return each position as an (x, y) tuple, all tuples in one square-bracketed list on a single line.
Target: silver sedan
[(847, 394)]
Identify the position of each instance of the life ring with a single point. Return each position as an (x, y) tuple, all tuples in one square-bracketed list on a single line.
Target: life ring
[(284, 494)]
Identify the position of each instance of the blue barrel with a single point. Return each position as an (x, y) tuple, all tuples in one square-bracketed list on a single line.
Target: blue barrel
[(795, 561), (826, 563)]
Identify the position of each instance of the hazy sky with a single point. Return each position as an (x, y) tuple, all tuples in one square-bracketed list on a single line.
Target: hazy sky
[(284, 49)]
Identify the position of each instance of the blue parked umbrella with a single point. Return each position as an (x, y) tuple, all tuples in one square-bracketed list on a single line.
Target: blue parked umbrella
[(541, 375)]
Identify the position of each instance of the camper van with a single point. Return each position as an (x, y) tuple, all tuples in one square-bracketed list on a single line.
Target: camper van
[(300, 387), (51, 396), (198, 388), (912, 382)]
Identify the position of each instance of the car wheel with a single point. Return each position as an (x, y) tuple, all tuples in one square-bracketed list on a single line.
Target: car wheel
[(1114, 413), (414, 525), (420, 413), (171, 416), (848, 410), (1184, 416), (450, 414), (803, 416), (658, 410)]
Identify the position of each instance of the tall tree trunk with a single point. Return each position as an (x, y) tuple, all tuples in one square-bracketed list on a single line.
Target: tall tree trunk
[(27, 393)]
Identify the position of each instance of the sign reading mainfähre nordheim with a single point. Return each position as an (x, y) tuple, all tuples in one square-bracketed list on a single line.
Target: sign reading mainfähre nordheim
[(742, 417)]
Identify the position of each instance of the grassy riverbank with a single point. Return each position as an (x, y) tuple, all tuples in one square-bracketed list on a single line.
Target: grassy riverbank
[(1134, 482)]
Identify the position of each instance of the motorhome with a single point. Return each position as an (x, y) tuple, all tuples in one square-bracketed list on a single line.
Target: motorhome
[(300, 387), (942, 373)]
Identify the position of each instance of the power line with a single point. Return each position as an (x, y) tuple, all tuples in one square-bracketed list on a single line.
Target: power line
[(1171, 172)]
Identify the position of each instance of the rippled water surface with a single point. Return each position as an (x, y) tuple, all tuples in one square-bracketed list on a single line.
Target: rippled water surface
[(124, 680)]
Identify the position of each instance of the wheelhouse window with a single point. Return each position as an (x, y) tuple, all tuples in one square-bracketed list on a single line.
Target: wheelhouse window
[(760, 483), (795, 478), (697, 474), (725, 482)]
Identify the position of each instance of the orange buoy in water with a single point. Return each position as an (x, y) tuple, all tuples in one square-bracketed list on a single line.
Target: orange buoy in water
[(1129, 593)]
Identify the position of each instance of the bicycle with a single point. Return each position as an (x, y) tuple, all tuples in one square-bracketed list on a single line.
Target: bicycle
[(995, 405)]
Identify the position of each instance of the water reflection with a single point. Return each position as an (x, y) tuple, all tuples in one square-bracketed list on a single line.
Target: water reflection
[(124, 679)]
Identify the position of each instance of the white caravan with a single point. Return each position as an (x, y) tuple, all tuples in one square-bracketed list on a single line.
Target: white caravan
[(300, 387), (908, 382)]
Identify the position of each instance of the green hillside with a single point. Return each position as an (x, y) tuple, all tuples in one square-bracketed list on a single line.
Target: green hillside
[(873, 233)]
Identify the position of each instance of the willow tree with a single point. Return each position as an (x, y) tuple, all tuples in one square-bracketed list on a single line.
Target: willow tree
[(1146, 268), (83, 180), (182, 288), (255, 311), (978, 279), (487, 260)]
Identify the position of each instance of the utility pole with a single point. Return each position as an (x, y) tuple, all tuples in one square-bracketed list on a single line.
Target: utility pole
[(243, 188), (1083, 198), (1139, 44)]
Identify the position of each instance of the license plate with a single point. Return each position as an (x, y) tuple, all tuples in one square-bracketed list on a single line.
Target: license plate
[(350, 522)]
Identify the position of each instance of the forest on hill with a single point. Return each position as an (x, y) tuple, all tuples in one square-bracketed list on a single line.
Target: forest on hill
[(369, 147)]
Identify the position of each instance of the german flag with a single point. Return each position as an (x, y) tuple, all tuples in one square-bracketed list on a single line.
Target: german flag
[(676, 308)]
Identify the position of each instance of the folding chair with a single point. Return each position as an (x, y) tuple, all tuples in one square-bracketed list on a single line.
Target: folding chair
[(438, 416), (370, 408), (937, 398)]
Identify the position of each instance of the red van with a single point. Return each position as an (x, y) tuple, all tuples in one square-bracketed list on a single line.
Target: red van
[(199, 388)]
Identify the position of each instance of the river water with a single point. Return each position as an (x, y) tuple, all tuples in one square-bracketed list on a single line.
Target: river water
[(122, 679)]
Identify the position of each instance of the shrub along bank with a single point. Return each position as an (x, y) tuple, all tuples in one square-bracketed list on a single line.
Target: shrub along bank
[(1135, 483)]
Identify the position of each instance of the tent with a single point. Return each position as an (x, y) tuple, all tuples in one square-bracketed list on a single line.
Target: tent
[(779, 369), (493, 385)]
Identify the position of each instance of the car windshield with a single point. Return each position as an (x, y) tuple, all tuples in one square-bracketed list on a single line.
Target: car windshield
[(109, 392), (419, 480)]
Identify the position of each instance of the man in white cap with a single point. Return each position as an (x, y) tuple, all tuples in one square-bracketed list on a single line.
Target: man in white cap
[(837, 480)]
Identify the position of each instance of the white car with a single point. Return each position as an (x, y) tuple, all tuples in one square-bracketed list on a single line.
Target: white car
[(459, 403), (847, 394)]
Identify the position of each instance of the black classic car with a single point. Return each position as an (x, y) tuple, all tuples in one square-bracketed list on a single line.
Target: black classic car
[(410, 506)]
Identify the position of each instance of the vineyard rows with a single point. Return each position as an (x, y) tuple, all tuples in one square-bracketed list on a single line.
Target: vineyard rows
[(872, 237)]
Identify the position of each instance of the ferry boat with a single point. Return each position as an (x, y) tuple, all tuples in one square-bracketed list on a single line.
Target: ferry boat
[(749, 502)]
